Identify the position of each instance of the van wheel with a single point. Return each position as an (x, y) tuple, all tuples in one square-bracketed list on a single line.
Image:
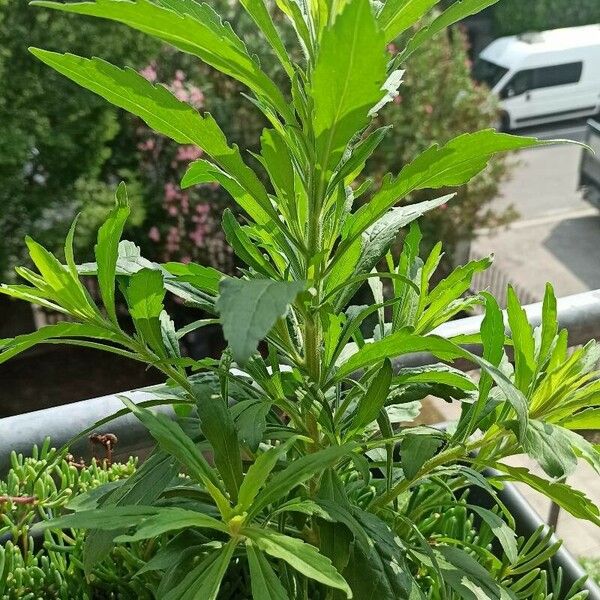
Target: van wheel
[(503, 122)]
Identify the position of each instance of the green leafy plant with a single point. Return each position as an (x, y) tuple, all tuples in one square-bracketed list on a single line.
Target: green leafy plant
[(299, 466), (31, 493)]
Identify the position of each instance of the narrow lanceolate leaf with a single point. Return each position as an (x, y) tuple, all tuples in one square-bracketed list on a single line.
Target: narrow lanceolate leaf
[(259, 12), (301, 556), (173, 440), (586, 419), (459, 10), (200, 32), (265, 582), (398, 344), (107, 250), (204, 580), (258, 473), (63, 330), (160, 109), (549, 324), (451, 165), (573, 501), (506, 536), (249, 309), (523, 342), (244, 247), (218, 428), (296, 473), (397, 16), (374, 398), (380, 236), (149, 521), (201, 172), (347, 80)]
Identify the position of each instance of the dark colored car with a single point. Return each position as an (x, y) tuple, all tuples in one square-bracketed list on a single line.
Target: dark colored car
[(589, 168)]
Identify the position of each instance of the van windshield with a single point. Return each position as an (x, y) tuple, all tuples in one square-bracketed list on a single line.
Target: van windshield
[(488, 72)]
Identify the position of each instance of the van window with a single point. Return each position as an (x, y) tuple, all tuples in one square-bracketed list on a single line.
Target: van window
[(543, 77), (488, 72), (519, 83), (557, 75)]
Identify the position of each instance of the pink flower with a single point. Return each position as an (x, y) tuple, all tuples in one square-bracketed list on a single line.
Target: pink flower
[(149, 72), (188, 153), (196, 97), (171, 191), (154, 234), (179, 75), (391, 48), (428, 109)]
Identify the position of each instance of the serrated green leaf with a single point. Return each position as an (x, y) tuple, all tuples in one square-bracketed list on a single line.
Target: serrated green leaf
[(107, 249), (142, 488), (64, 330), (588, 418), (149, 521), (167, 520), (453, 164), (201, 172), (248, 310), (573, 501), (378, 238), (301, 556), (201, 277), (259, 12), (161, 110), (349, 73), (200, 32), (397, 344), (264, 581), (64, 287)]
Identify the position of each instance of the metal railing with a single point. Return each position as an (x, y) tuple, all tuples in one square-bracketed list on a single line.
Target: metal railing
[(579, 314)]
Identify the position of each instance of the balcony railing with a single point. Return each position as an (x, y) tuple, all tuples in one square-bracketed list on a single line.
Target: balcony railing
[(579, 314)]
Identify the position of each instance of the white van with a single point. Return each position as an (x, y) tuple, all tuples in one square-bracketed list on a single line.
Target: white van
[(544, 77)]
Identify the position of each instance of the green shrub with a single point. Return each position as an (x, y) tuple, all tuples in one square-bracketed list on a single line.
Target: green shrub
[(512, 17), (316, 473)]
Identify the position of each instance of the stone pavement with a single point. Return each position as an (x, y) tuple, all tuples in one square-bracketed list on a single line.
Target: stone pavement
[(557, 235)]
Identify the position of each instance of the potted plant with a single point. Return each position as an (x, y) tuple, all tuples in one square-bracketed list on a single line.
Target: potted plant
[(287, 473)]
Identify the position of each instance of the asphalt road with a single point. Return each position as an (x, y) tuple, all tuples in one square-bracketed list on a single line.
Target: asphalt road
[(557, 235)]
